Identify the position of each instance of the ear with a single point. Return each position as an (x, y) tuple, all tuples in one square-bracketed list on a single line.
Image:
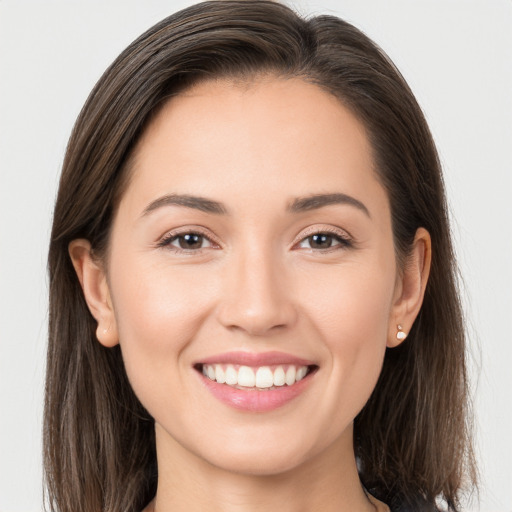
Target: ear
[(94, 283), (410, 288)]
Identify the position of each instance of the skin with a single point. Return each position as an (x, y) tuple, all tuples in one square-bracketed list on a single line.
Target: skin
[(256, 284)]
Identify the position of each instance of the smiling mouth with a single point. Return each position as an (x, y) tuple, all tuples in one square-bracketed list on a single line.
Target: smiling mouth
[(260, 378)]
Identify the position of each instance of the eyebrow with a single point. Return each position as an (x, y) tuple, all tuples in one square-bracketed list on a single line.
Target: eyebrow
[(313, 202), (195, 202), (300, 204)]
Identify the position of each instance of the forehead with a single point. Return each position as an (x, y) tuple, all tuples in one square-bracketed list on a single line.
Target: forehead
[(285, 135)]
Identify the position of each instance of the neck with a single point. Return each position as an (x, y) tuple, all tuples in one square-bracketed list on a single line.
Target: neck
[(327, 482)]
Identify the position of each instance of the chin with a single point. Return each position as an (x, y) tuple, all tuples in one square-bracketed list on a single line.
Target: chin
[(269, 453), (263, 463)]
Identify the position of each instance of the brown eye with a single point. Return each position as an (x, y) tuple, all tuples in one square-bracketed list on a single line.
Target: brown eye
[(320, 241), (189, 241)]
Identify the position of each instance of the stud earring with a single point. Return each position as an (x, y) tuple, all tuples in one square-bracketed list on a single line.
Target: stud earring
[(400, 335)]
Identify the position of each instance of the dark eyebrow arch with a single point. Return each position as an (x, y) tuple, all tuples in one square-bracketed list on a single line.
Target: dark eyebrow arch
[(302, 204), (195, 202)]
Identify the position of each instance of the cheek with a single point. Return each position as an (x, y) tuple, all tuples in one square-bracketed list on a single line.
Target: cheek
[(350, 310), (158, 313), (155, 301), (351, 304)]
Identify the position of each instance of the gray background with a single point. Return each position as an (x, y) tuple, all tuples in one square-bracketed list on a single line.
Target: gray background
[(457, 57)]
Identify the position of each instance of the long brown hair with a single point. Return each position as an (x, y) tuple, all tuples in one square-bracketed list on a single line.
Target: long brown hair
[(412, 438)]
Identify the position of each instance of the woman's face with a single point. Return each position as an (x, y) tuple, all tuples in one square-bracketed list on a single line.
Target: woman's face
[(253, 243)]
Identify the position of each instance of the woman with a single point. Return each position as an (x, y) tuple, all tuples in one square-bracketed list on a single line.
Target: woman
[(252, 284)]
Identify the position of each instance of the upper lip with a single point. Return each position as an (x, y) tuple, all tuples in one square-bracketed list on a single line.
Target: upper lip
[(255, 359)]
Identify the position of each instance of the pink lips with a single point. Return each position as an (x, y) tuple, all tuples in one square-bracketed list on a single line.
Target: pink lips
[(255, 359), (251, 399)]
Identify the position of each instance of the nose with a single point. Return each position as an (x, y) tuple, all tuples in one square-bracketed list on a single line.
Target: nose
[(257, 298)]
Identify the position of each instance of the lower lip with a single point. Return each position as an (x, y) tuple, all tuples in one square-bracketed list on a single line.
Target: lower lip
[(254, 400)]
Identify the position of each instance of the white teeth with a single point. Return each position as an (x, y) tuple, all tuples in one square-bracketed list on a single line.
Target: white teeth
[(279, 376), (231, 375), (220, 376), (246, 377), (263, 377), (301, 373), (290, 375)]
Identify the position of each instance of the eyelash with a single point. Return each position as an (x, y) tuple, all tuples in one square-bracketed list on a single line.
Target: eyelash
[(169, 238), (342, 239)]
